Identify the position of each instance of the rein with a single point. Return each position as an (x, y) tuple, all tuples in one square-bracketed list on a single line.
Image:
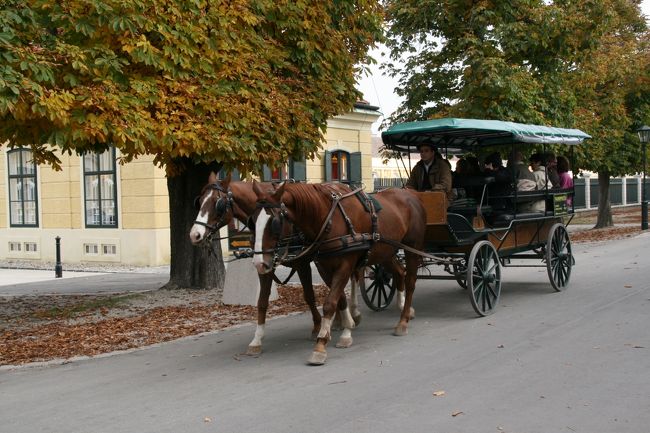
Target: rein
[(312, 249), (350, 242)]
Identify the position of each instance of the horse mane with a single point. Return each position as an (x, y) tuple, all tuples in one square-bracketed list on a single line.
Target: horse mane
[(307, 196)]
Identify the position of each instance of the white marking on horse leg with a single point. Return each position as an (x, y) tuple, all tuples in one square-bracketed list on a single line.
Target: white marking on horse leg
[(346, 319), (354, 297), (259, 335), (260, 225), (345, 340), (198, 229), (325, 327), (401, 298)]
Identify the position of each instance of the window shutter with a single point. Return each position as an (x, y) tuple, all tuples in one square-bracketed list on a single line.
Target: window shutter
[(298, 170), (355, 168), (266, 173), (327, 166), (234, 174)]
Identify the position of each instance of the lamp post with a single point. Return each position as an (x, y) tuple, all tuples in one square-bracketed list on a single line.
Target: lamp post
[(644, 138)]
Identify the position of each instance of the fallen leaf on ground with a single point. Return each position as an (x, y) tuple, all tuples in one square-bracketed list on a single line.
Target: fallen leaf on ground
[(438, 393), (459, 412), (207, 419)]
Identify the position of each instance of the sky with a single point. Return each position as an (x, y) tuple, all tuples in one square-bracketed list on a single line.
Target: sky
[(378, 89)]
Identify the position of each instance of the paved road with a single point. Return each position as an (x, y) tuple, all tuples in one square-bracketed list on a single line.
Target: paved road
[(16, 282), (545, 362)]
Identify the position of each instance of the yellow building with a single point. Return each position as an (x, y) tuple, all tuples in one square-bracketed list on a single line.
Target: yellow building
[(106, 212)]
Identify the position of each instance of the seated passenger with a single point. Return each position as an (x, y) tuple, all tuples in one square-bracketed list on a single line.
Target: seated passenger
[(542, 183), (566, 180), (552, 169), (539, 172), (467, 168), (431, 173), (522, 175), (503, 181)]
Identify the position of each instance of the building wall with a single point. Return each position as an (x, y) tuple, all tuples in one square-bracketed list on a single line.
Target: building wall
[(142, 236)]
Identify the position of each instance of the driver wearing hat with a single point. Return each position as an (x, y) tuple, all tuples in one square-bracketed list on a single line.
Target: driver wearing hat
[(431, 173)]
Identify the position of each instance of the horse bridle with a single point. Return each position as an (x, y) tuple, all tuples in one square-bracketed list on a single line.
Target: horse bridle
[(278, 213), (221, 207)]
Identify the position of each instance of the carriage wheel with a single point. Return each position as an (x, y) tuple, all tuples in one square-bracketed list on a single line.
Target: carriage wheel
[(559, 258), (460, 270), (377, 287), (484, 278)]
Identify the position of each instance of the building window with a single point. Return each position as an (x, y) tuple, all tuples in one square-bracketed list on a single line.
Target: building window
[(109, 250), (292, 169), (31, 247), (100, 189), (274, 174), (340, 166), (91, 249), (279, 173), (15, 246), (23, 209)]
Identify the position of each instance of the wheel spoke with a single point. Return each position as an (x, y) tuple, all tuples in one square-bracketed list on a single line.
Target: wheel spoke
[(383, 292), (371, 286), (486, 298), (374, 293)]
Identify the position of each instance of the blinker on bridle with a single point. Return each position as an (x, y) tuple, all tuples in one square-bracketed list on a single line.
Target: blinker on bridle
[(221, 208), (277, 222)]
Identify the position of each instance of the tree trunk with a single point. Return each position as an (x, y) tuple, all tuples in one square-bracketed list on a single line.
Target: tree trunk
[(191, 267), (604, 205)]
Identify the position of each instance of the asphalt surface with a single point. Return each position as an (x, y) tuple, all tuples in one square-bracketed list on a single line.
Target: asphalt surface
[(16, 282), (575, 361)]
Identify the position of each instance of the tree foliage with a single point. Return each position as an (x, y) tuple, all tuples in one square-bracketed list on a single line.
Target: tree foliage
[(566, 63), (242, 82)]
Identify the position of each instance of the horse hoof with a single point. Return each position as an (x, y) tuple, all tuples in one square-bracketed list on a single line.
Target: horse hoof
[(400, 331), (317, 358), (254, 350), (357, 319), (344, 342)]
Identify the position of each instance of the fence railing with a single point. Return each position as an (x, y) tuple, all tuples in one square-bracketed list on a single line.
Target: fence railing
[(622, 190)]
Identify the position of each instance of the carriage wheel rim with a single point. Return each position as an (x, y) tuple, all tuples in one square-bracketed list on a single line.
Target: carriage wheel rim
[(484, 279), (559, 260), (375, 295)]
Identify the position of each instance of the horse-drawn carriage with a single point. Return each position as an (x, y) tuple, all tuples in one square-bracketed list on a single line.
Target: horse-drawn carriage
[(473, 239), (396, 235)]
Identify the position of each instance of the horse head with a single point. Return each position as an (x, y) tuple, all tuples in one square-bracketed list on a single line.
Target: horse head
[(215, 208), (270, 228)]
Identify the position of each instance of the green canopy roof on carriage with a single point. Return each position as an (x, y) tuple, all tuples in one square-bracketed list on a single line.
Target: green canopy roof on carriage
[(468, 133)]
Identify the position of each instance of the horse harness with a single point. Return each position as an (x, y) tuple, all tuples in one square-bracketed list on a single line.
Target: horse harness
[(321, 247), (345, 244), (221, 207)]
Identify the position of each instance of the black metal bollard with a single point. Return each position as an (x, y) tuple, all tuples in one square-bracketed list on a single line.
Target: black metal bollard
[(58, 269), (644, 215)]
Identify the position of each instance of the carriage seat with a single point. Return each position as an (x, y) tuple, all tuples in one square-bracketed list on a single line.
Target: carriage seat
[(468, 181), (503, 219), (463, 230), (468, 208)]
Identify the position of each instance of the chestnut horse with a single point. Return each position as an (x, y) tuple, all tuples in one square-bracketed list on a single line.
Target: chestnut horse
[(343, 235), (220, 202)]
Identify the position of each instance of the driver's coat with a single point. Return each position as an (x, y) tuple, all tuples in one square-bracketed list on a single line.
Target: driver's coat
[(202, 217)]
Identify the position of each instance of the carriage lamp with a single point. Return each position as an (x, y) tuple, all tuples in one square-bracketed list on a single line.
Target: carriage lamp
[(644, 137)]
